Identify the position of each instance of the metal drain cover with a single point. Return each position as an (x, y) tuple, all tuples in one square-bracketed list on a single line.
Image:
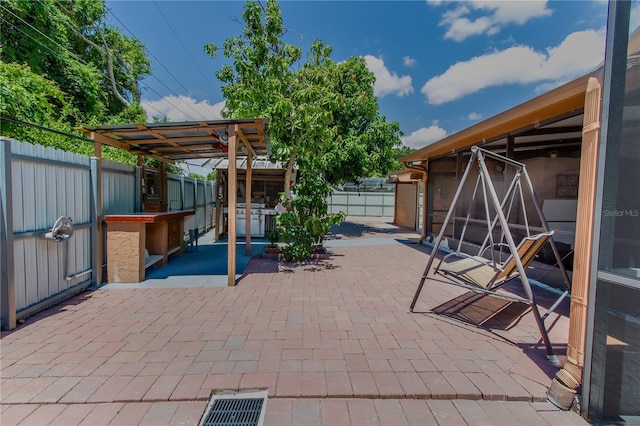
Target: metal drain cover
[(237, 409)]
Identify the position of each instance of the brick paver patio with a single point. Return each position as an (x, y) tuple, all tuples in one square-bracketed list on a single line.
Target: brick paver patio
[(332, 341)]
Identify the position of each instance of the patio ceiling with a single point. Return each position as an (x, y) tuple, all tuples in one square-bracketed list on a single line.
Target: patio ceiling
[(171, 142), (546, 119)]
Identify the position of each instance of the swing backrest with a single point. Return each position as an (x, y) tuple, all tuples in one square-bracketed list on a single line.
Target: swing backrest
[(527, 250)]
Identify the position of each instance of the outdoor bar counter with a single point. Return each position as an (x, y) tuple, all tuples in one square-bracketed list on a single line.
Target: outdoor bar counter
[(162, 234)]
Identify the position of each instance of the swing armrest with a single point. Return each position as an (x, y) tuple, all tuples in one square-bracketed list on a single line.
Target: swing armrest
[(458, 255), (495, 246)]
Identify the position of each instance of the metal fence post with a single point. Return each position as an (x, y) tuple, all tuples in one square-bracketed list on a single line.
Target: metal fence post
[(7, 278), (137, 197), (181, 192), (96, 216)]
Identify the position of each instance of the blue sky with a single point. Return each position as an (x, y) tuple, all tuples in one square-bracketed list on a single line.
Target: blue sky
[(440, 66)]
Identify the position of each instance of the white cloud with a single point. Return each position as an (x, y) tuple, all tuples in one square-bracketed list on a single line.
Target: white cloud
[(182, 108), (424, 136), (387, 82), (409, 61), (474, 116), (577, 54), (471, 18)]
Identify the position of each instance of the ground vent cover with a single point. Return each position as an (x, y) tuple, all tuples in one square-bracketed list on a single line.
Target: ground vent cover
[(235, 409)]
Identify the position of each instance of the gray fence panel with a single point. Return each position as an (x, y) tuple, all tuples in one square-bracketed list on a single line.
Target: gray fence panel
[(46, 184), (189, 194), (118, 188), (201, 206), (211, 201), (374, 204), (174, 192)]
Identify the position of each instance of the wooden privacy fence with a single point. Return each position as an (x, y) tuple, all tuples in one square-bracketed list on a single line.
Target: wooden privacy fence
[(37, 186)]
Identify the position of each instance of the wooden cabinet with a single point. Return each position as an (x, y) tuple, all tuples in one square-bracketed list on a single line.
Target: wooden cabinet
[(161, 234), (175, 235)]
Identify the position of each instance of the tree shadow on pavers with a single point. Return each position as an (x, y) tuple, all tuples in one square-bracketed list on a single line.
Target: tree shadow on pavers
[(307, 265), (57, 308)]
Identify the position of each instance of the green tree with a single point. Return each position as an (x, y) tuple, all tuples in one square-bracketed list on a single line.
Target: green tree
[(29, 97), (70, 44), (399, 153), (323, 116), (62, 66)]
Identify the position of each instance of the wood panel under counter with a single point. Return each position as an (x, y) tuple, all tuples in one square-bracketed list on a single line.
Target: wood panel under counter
[(128, 235)]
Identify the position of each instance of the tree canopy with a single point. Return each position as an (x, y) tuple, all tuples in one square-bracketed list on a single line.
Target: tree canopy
[(323, 115), (62, 66)]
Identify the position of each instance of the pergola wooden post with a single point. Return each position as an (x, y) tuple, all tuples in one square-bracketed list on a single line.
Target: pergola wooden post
[(248, 204), (231, 206)]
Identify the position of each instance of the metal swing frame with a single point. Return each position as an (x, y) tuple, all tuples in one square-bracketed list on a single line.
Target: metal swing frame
[(479, 155)]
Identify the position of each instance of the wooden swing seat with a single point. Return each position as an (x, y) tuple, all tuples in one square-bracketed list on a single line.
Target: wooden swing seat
[(481, 273)]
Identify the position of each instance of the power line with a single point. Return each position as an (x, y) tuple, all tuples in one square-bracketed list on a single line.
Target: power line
[(48, 129), (57, 54), (156, 109), (164, 67), (75, 56), (43, 34), (185, 49), (70, 24), (169, 102), (36, 40)]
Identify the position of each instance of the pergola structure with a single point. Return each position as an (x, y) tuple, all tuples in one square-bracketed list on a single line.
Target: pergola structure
[(171, 142)]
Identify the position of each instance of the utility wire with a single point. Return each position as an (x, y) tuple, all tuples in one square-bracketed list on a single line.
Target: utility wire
[(43, 34), (75, 56), (186, 50), (57, 54), (165, 99), (119, 84), (165, 68), (48, 129), (151, 75)]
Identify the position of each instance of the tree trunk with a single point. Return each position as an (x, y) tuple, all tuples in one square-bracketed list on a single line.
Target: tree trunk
[(287, 176)]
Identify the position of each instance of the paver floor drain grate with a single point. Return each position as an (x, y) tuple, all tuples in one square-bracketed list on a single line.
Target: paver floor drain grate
[(233, 412)]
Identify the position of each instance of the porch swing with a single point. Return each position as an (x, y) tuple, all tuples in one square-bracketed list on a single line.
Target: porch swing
[(498, 260)]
